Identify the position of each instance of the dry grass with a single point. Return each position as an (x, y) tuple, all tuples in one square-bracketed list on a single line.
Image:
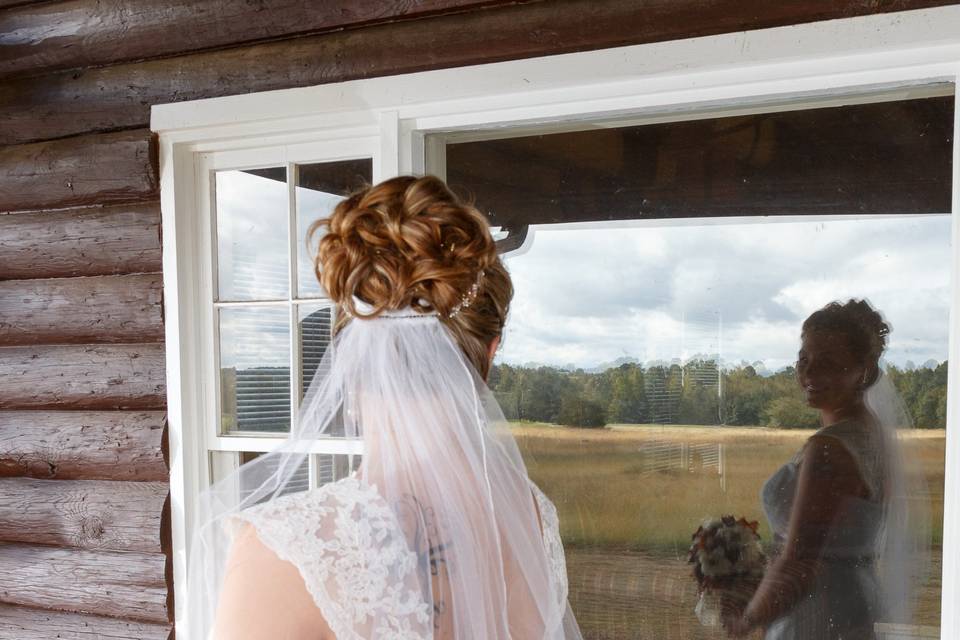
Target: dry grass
[(616, 512)]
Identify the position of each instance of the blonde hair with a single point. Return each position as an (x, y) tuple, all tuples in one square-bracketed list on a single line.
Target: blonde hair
[(410, 242)]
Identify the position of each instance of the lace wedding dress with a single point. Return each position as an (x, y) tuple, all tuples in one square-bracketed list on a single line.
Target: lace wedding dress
[(440, 534), (353, 555)]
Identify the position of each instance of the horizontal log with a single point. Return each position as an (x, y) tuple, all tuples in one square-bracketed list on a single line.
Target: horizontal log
[(94, 169), (83, 377), (127, 585), (99, 32), (6, 4), (88, 514), (25, 623), (100, 309), (91, 445), (90, 241), (120, 96)]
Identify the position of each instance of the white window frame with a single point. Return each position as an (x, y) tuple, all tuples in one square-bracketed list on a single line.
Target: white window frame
[(403, 120)]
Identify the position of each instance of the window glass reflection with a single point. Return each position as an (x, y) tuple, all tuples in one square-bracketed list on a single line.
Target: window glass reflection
[(651, 400), (255, 369), (252, 236)]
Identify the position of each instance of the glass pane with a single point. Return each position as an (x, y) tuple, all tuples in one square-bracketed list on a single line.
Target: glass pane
[(655, 375), (319, 188), (299, 482), (255, 369), (252, 236), (316, 332), (333, 467)]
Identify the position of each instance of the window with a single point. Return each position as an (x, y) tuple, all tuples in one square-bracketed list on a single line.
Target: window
[(665, 270), (270, 320), (558, 150)]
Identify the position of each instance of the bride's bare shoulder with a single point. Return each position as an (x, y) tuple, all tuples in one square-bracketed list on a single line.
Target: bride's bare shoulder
[(264, 596)]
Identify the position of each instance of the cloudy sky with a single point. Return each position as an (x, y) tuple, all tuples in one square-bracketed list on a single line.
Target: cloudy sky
[(586, 296)]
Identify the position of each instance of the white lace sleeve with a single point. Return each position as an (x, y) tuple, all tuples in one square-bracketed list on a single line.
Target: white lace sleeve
[(348, 546), (552, 542)]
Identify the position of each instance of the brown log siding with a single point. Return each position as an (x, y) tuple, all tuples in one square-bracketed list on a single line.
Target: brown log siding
[(89, 241), (101, 309), (24, 623), (99, 169), (120, 96), (126, 585), (75, 445), (83, 377), (88, 514)]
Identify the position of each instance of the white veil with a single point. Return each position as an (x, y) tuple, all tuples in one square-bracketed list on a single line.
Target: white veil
[(439, 453), (903, 541)]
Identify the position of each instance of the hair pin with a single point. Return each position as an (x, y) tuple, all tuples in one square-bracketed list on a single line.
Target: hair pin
[(468, 298)]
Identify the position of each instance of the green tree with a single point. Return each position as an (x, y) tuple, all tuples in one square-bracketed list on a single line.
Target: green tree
[(576, 411)]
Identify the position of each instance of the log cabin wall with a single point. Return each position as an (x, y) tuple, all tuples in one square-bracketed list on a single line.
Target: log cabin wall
[(84, 539)]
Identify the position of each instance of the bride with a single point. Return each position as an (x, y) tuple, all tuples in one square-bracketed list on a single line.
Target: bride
[(851, 534), (440, 533)]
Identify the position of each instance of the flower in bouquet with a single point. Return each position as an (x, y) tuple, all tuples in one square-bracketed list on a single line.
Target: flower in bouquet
[(728, 563)]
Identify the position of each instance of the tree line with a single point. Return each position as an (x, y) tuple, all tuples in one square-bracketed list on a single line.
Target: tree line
[(698, 392)]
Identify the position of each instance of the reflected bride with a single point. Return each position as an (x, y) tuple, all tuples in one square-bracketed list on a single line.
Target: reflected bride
[(848, 553)]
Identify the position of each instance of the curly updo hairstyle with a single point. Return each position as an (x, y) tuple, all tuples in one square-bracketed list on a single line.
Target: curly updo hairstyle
[(864, 327), (410, 242)]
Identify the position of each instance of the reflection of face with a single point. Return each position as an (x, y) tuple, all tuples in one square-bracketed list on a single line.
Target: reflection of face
[(830, 375)]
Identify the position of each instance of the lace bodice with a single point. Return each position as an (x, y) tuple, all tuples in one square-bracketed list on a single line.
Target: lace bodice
[(348, 546)]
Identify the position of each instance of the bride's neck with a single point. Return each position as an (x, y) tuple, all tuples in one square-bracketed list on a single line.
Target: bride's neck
[(853, 411)]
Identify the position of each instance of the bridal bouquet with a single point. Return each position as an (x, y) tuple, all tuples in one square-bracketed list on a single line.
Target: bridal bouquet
[(728, 563)]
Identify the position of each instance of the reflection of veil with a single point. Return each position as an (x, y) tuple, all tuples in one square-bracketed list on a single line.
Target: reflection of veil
[(442, 503), (904, 537)]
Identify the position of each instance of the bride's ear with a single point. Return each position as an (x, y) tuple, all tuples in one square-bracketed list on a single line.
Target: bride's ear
[(492, 350)]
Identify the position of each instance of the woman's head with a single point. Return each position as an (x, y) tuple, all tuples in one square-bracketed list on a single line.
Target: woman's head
[(410, 242), (840, 351)]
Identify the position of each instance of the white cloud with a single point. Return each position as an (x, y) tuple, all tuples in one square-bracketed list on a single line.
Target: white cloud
[(590, 295)]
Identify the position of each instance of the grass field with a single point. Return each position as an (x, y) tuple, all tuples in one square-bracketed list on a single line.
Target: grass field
[(629, 496)]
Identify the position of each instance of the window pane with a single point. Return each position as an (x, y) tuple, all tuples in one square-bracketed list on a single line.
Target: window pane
[(222, 463), (333, 467), (255, 369), (316, 332), (252, 236), (327, 468), (651, 370), (320, 187)]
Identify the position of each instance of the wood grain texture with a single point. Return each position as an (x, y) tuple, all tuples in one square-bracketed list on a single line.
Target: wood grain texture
[(92, 445), (120, 96), (87, 514), (6, 4), (126, 585), (94, 169), (89, 241), (24, 623), (83, 377), (99, 309), (83, 33)]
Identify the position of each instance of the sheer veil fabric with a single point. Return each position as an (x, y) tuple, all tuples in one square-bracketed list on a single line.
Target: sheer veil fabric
[(439, 534), (902, 546)]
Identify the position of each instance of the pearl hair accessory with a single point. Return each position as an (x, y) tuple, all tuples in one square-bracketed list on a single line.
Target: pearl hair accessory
[(468, 298)]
